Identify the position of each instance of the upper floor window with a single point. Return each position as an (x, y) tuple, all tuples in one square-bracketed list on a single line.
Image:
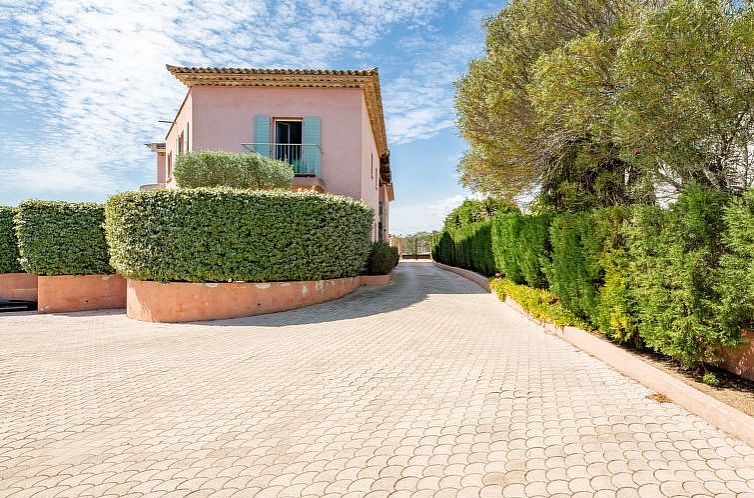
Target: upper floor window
[(288, 140)]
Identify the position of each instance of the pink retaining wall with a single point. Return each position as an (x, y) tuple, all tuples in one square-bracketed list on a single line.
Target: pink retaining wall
[(20, 286), (80, 293), (375, 280), (189, 302)]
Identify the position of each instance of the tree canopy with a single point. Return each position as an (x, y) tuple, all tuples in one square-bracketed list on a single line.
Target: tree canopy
[(606, 102)]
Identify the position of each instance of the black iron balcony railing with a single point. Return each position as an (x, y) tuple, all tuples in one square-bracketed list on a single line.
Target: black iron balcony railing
[(304, 158)]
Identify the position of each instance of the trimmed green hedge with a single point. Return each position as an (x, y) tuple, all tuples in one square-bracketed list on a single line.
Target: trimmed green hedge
[(8, 243), (467, 247), (520, 244), (206, 168), (222, 235), (62, 238), (382, 259), (678, 280)]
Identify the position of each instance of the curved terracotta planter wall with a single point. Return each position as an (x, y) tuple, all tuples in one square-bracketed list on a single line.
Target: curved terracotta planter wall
[(371, 280), (741, 361), (80, 293), (189, 302), (21, 286)]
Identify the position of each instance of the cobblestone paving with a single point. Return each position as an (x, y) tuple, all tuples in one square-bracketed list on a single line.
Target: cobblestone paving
[(427, 387)]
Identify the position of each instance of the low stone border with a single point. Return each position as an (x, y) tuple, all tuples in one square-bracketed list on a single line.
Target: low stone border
[(18, 286), (375, 280), (65, 293), (174, 302), (717, 413), (475, 277)]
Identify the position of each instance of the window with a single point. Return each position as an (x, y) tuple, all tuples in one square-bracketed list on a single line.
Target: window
[(371, 164), (288, 140), (170, 166), (186, 139)]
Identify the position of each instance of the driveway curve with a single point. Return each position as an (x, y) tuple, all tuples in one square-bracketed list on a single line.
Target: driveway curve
[(426, 387)]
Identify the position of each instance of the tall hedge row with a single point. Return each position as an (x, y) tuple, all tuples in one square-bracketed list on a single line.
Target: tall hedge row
[(467, 247), (678, 280), (61, 238), (220, 235), (521, 247), (8, 243)]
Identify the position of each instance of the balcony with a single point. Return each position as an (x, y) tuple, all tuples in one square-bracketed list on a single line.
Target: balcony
[(304, 158)]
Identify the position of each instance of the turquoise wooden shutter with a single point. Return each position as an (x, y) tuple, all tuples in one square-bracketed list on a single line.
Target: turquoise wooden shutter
[(262, 135), (312, 151)]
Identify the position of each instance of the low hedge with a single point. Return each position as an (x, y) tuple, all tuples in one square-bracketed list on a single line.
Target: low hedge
[(206, 168), (222, 235), (382, 259), (8, 243), (62, 238)]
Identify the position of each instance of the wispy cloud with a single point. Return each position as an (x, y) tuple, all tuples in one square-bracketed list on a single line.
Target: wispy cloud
[(83, 83)]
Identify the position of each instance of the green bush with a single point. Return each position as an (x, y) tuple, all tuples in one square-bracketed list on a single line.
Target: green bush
[(468, 247), (8, 243), (520, 243), (382, 259), (736, 283), (676, 271), (541, 304), (62, 238), (206, 168), (575, 273), (616, 312), (221, 235)]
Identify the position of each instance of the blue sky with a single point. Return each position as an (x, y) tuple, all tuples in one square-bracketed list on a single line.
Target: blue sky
[(83, 84)]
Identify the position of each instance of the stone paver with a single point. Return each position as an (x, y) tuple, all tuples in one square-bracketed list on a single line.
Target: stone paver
[(427, 387)]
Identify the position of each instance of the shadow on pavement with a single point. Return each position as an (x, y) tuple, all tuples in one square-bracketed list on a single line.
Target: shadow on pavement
[(412, 283)]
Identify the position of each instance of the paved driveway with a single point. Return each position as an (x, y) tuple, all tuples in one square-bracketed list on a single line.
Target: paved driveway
[(427, 387)]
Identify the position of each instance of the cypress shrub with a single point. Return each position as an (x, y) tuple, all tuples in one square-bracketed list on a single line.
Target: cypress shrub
[(8, 243), (575, 273), (505, 234), (616, 305), (221, 235), (62, 238), (467, 247), (521, 247), (736, 283), (676, 267)]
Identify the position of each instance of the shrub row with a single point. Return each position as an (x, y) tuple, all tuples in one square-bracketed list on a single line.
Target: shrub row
[(678, 280), (8, 244), (61, 238), (221, 235), (468, 247)]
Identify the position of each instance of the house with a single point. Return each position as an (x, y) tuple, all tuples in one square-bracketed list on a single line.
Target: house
[(327, 124)]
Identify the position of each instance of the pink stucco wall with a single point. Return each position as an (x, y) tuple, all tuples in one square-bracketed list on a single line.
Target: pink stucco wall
[(161, 171), (222, 118), (370, 168), (185, 115)]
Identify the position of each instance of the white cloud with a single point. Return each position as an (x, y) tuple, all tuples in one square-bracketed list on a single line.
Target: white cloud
[(91, 76)]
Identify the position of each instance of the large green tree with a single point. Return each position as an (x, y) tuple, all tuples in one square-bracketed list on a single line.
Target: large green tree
[(686, 103), (519, 143), (597, 103)]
